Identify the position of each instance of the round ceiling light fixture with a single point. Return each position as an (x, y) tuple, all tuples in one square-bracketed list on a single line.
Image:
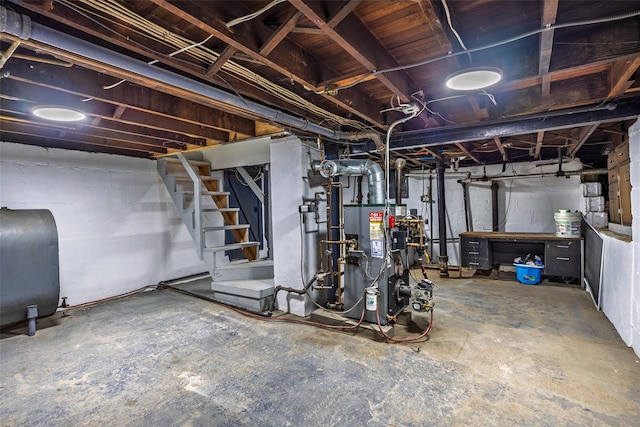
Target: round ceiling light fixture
[(58, 114), (474, 78)]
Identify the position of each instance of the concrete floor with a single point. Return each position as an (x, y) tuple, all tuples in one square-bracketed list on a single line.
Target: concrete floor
[(500, 353)]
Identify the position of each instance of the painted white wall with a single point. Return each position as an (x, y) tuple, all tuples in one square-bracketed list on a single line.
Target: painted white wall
[(290, 188), (621, 271), (525, 204), (118, 229), (634, 153), (617, 285)]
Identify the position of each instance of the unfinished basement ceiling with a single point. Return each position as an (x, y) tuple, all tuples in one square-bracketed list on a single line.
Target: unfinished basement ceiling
[(324, 62)]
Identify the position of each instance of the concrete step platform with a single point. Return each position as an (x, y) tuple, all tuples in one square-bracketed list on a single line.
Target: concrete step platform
[(254, 295), (248, 270)]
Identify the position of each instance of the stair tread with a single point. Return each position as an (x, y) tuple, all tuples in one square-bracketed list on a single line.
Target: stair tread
[(209, 193), (216, 210), (231, 246), (191, 162), (226, 227), (186, 177)]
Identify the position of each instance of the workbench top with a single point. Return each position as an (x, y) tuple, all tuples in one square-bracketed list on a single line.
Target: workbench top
[(514, 236)]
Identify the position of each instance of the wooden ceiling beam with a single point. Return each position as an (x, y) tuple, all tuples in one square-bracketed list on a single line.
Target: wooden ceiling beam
[(286, 58), (280, 34), (356, 39), (16, 125), (620, 75), (500, 146), (352, 100), (105, 127), (37, 139), (204, 121), (342, 13), (583, 136), (539, 139), (563, 74), (549, 13), (467, 152), (442, 38), (226, 55), (34, 95), (580, 92)]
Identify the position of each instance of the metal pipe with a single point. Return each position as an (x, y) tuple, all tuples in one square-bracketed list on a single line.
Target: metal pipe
[(19, 25), (583, 172), (494, 205), (335, 235), (369, 168), (465, 195), (430, 214), (359, 197), (32, 314), (443, 259), (400, 163)]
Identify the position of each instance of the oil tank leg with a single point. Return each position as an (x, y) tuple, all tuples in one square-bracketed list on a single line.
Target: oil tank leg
[(32, 314)]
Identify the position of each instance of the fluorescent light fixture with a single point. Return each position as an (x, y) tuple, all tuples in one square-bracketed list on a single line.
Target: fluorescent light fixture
[(474, 78), (58, 114)]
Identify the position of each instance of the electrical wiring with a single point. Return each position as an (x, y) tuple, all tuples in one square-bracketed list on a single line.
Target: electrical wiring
[(453, 30), (155, 61), (115, 13), (339, 312), (425, 107), (249, 17), (492, 45)]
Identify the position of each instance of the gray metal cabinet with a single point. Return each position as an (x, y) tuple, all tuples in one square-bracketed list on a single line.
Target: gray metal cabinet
[(475, 253), (563, 258)]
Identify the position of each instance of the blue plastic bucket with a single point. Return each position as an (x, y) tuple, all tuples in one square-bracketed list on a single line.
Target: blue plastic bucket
[(528, 274)]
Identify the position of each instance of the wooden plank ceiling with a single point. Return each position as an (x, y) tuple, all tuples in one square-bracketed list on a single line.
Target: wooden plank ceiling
[(346, 65)]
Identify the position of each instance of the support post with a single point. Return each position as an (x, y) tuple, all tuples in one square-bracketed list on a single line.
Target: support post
[(467, 216), (494, 205), (443, 259)]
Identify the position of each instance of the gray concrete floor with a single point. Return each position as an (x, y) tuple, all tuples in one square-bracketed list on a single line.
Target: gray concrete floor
[(500, 353)]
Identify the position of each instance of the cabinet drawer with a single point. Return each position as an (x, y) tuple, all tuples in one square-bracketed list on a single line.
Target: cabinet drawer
[(561, 248), (563, 258), (473, 246), (475, 253)]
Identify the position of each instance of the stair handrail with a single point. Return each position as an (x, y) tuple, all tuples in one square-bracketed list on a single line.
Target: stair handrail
[(197, 194)]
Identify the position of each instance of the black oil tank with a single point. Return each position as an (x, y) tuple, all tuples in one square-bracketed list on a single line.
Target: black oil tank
[(29, 267)]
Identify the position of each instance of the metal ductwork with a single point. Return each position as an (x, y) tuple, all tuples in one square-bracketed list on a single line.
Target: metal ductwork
[(21, 26), (368, 168)]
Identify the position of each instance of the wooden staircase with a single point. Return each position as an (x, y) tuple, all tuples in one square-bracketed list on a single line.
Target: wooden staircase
[(191, 185), (201, 203)]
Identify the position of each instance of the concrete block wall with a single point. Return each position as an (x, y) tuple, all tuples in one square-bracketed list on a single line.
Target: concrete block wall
[(118, 228)]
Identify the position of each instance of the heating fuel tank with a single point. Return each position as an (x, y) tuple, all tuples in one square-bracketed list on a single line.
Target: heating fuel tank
[(29, 267)]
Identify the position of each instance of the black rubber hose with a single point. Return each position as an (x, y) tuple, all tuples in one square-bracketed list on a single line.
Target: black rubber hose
[(163, 285)]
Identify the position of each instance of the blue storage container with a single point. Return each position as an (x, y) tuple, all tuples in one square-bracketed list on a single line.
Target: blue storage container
[(529, 274)]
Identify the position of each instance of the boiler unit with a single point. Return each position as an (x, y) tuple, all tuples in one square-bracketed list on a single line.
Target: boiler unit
[(375, 259)]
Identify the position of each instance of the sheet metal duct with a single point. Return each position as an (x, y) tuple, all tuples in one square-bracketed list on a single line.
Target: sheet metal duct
[(29, 267), (368, 168)]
